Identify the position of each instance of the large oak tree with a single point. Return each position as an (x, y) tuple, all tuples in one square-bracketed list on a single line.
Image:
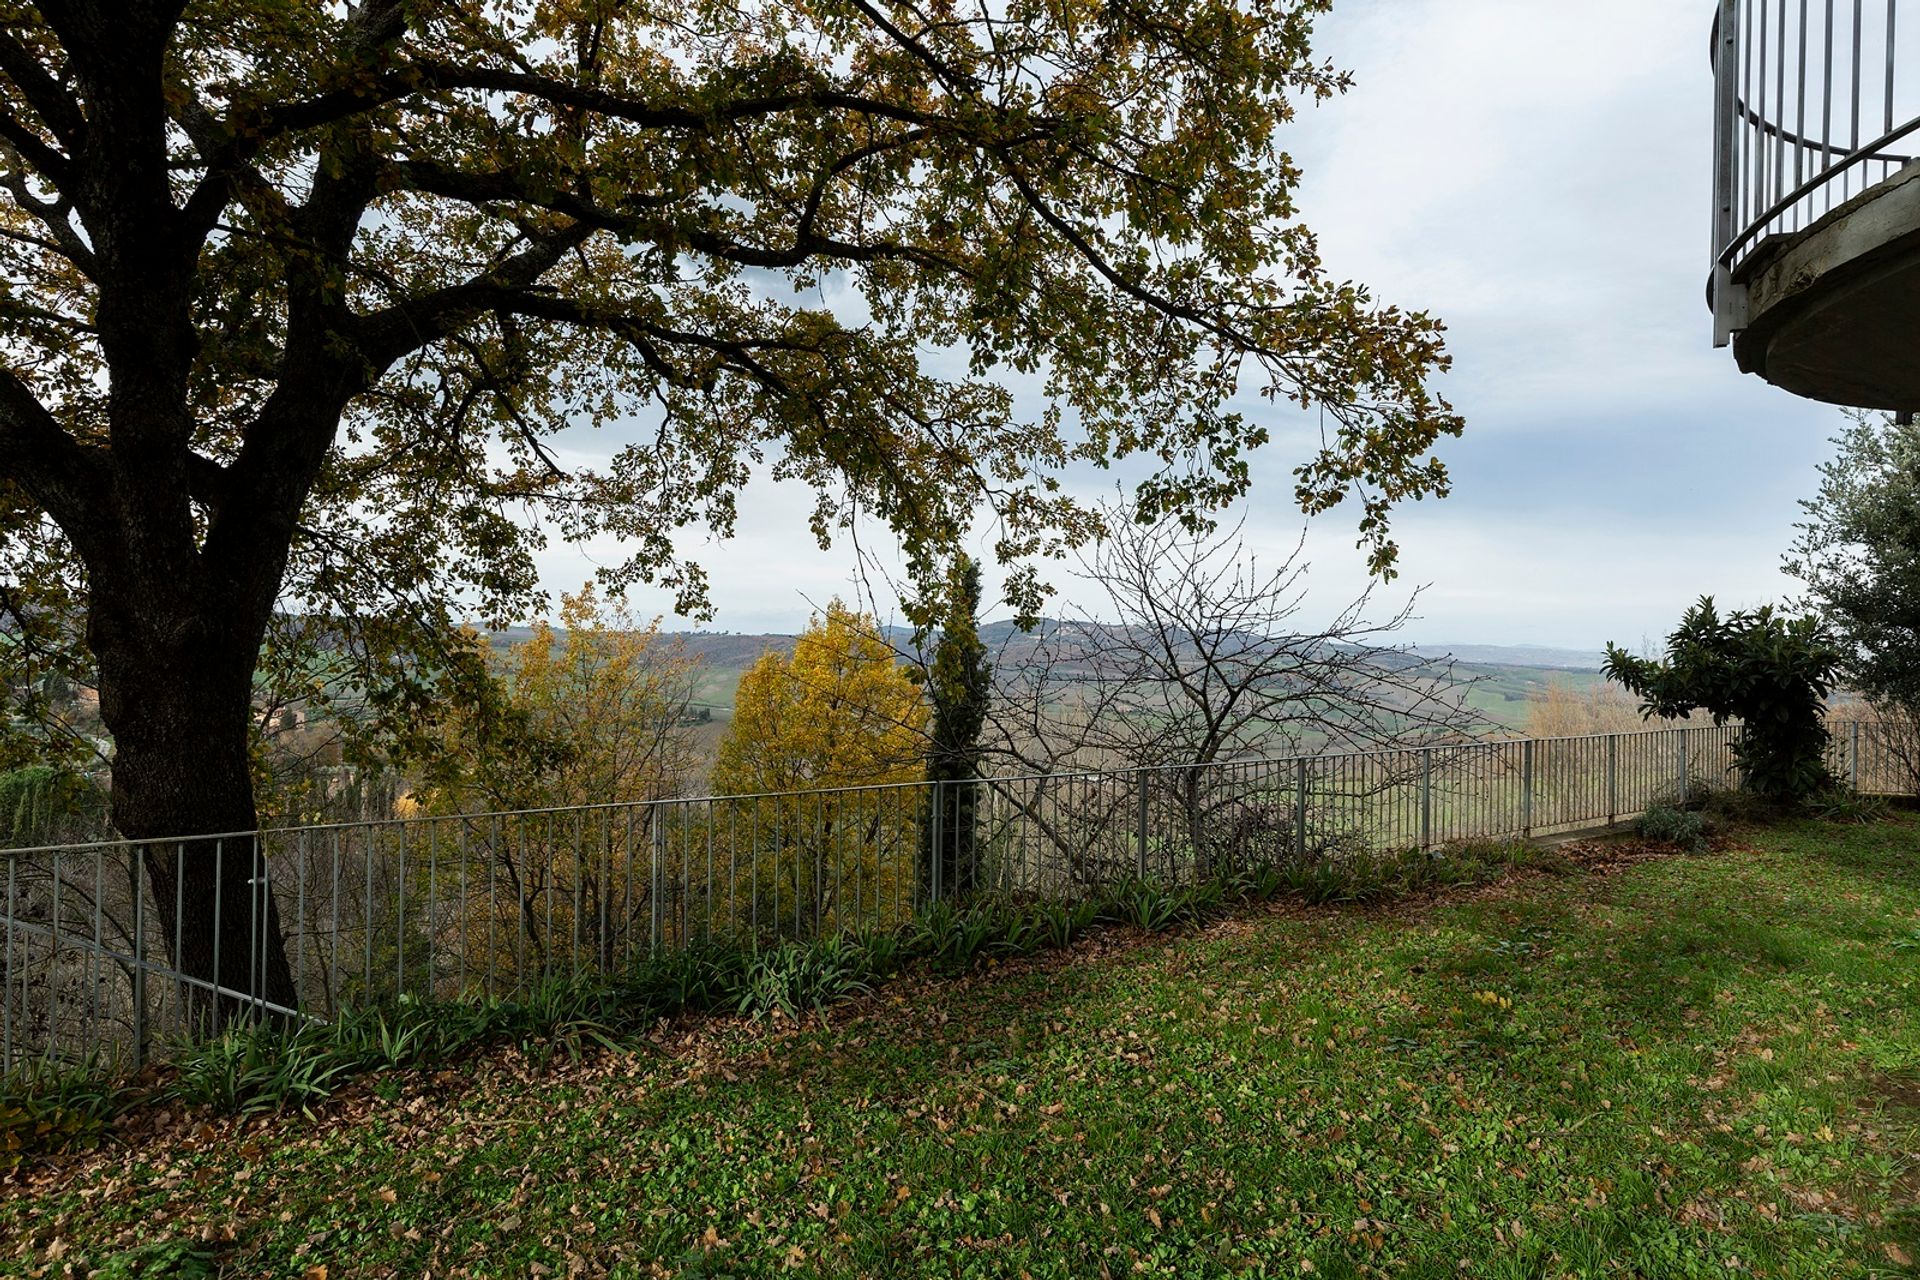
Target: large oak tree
[(295, 297)]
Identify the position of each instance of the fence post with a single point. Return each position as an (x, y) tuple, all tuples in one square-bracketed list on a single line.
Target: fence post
[(139, 961), (1686, 775), (1140, 823), (937, 852), (1613, 778), (1426, 798), (1526, 788), (1853, 758), (656, 908), (1300, 809)]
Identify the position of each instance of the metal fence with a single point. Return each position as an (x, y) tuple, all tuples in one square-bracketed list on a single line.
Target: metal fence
[(491, 904), (1812, 107)]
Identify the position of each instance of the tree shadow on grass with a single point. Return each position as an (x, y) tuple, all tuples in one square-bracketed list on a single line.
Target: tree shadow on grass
[(1887, 850)]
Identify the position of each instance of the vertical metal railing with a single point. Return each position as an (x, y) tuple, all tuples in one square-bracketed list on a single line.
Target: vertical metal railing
[(489, 905), (1812, 106)]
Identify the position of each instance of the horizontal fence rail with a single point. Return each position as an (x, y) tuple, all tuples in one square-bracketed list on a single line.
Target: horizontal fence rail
[(1814, 104), (491, 905)]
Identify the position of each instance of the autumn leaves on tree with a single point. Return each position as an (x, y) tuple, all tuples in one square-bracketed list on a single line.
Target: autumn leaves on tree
[(297, 298), (827, 735)]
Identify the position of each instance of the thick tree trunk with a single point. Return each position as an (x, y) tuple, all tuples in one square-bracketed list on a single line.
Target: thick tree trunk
[(177, 698)]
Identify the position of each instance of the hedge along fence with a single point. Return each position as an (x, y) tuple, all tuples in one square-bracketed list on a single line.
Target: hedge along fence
[(495, 905)]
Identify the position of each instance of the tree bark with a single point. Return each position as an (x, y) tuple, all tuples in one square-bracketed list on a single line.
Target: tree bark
[(176, 693)]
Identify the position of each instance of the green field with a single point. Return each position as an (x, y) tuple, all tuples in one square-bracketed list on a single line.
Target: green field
[(1666, 1068), (1502, 693)]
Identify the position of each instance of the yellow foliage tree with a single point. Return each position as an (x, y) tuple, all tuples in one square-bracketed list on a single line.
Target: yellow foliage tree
[(607, 698), (831, 732), (598, 716)]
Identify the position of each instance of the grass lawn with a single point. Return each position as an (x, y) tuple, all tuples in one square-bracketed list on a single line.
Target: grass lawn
[(1690, 1066)]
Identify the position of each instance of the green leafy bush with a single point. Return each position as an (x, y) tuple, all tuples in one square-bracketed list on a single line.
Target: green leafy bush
[(883, 953), (1683, 828), (1256, 884), (1770, 672), (259, 1068), (1148, 905), (951, 939), (1725, 806)]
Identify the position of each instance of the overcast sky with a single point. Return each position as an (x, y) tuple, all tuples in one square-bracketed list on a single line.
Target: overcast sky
[(1536, 175)]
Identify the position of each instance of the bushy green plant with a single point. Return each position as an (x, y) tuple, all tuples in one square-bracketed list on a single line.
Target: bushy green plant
[(1202, 901), (1148, 905), (1726, 806), (883, 953), (1256, 884), (566, 1013), (1319, 882), (795, 978), (1682, 828), (704, 977), (48, 1107), (950, 939), (1022, 931), (259, 1067), (1842, 804), (1771, 672)]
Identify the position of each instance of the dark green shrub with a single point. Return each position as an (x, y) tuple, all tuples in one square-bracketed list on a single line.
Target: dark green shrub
[(951, 939), (1055, 924), (567, 1013), (705, 977), (1319, 883), (883, 953), (1202, 901), (1724, 806), (258, 1068), (1682, 828), (1770, 672), (1256, 884)]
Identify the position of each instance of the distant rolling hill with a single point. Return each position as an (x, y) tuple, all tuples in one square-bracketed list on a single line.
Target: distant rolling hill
[(1505, 678), (1517, 655)]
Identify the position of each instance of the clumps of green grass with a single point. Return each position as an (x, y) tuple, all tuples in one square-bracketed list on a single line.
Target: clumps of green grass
[(1845, 805), (50, 1106), (1369, 878), (793, 978), (1725, 807), (258, 1067)]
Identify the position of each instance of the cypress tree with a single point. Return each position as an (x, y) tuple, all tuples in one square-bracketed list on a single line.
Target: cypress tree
[(959, 686)]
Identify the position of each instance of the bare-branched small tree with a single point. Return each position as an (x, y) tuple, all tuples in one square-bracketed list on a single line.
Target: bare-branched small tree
[(1186, 654)]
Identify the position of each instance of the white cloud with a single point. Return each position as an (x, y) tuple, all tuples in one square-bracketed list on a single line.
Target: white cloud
[(1536, 174)]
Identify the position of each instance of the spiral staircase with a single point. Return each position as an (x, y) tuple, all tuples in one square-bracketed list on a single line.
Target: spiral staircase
[(1816, 226)]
